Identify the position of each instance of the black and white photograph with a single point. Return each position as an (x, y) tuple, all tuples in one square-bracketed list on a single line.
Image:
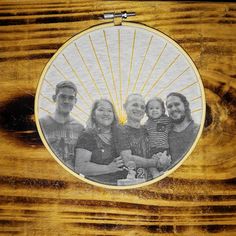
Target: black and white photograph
[(120, 106)]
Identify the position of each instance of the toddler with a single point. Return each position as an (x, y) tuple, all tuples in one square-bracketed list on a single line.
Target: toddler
[(158, 126)]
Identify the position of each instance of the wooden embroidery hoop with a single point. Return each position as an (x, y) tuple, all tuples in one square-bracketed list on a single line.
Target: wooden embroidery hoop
[(107, 29)]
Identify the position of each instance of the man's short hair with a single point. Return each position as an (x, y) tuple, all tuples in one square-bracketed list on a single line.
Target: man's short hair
[(65, 84), (184, 101), (130, 96)]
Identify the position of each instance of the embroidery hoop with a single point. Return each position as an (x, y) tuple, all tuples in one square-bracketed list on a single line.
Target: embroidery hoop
[(119, 27)]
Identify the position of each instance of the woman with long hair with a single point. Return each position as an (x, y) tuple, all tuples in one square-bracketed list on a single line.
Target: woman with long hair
[(97, 157)]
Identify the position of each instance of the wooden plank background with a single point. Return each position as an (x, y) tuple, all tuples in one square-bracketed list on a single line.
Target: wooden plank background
[(38, 197)]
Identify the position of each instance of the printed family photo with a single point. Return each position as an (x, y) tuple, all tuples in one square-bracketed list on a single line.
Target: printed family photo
[(120, 116)]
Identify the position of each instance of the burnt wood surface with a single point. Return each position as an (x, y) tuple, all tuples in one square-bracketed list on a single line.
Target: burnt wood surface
[(38, 197)]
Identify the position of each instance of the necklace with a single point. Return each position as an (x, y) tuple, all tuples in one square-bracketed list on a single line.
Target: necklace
[(105, 137)]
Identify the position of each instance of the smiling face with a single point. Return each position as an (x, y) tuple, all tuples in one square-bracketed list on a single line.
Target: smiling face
[(65, 100), (103, 114), (154, 109), (176, 109), (135, 108)]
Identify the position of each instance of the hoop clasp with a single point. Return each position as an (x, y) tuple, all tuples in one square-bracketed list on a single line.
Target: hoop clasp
[(118, 16)]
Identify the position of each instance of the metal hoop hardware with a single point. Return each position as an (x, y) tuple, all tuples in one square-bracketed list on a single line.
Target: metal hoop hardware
[(118, 17)]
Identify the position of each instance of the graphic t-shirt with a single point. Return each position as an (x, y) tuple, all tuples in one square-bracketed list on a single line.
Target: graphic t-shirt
[(136, 140), (62, 138)]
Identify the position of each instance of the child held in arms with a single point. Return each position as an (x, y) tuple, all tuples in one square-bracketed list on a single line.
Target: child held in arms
[(158, 126)]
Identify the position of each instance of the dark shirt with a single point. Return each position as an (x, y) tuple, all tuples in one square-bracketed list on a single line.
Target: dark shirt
[(136, 140), (102, 154), (181, 142)]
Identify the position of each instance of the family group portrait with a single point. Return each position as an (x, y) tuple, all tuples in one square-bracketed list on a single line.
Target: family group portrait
[(155, 136)]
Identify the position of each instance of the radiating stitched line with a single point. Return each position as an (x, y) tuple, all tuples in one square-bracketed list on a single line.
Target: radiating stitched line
[(78, 77), (112, 73), (90, 74), (100, 67), (131, 63), (188, 86), (153, 67), (66, 78), (179, 76), (141, 67), (163, 73)]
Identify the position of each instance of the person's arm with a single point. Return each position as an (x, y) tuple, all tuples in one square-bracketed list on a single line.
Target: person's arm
[(125, 152), (139, 161), (84, 165)]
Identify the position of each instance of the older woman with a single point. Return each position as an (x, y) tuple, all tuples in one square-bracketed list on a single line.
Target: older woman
[(97, 157), (134, 141)]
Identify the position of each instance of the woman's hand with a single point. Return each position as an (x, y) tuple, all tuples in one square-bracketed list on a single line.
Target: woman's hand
[(116, 165), (85, 166)]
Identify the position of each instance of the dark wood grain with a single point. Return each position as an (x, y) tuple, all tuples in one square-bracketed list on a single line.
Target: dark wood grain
[(38, 197)]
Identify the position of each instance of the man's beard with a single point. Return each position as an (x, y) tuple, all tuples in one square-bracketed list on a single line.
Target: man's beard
[(179, 120)]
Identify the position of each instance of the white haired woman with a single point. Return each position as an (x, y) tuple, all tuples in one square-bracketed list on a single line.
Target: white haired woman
[(134, 140)]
